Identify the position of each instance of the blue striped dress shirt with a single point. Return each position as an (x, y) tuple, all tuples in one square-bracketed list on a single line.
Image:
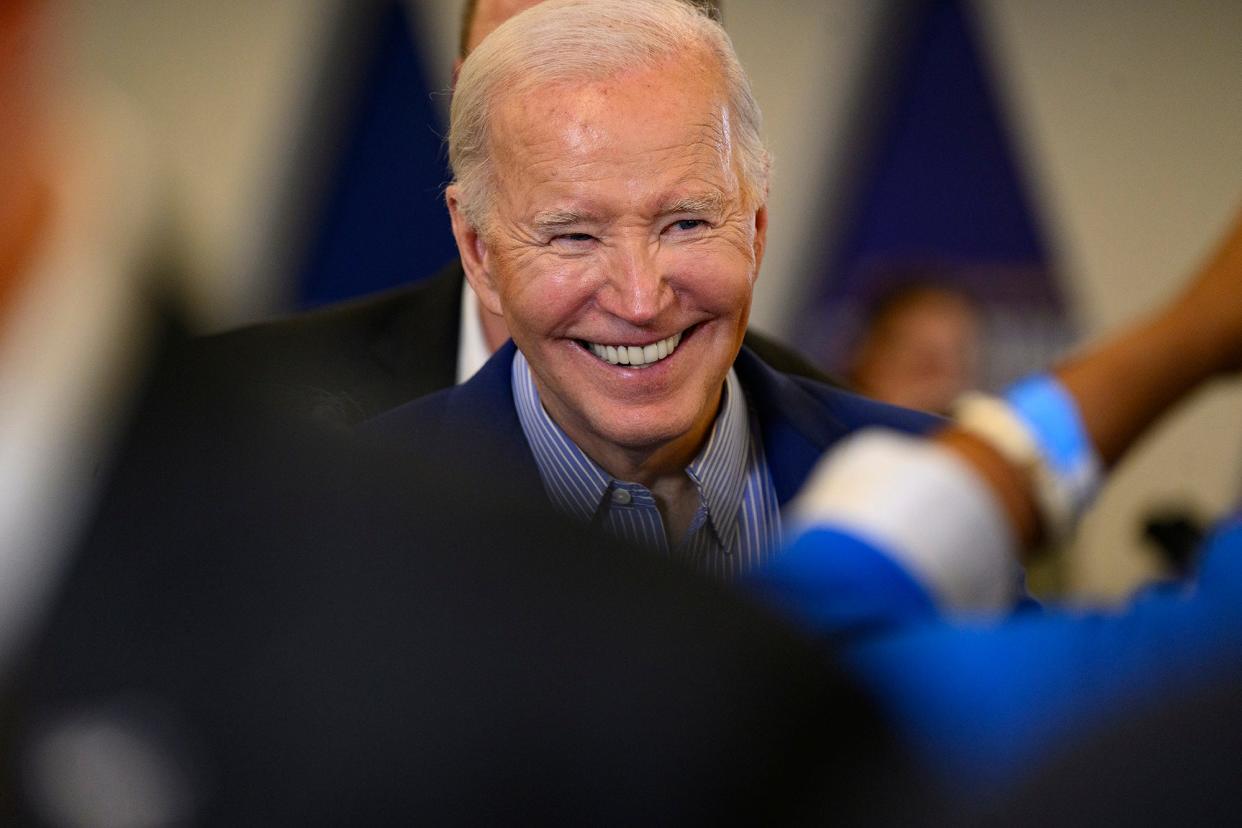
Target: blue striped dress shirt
[(737, 524)]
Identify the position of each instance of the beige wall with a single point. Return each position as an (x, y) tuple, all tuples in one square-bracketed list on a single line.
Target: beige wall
[(1129, 116), (218, 85)]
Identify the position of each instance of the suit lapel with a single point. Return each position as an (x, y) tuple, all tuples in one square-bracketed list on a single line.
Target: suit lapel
[(480, 417)]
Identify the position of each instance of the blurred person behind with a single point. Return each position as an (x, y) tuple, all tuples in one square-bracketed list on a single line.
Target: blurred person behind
[(984, 700), (921, 347)]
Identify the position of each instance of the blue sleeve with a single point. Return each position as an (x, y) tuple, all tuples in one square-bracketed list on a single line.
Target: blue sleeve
[(837, 586), (982, 702)]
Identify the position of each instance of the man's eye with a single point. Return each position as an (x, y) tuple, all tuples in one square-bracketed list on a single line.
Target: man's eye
[(686, 225), (574, 237)]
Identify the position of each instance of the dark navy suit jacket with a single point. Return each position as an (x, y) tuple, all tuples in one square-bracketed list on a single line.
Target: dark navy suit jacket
[(476, 423)]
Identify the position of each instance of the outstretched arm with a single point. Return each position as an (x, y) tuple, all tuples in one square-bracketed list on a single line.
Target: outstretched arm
[(981, 701), (915, 527), (1124, 383)]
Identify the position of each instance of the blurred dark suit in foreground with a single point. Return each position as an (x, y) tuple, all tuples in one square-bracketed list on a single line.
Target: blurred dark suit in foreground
[(264, 626), (350, 361)]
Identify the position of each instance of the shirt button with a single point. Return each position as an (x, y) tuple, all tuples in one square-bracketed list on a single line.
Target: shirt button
[(621, 497)]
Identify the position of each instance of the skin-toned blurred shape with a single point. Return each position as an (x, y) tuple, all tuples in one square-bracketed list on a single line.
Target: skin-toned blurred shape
[(24, 196), (921, 348)]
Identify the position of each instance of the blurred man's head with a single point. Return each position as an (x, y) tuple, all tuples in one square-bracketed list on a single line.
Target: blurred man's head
[(608, 202), (921, 348)]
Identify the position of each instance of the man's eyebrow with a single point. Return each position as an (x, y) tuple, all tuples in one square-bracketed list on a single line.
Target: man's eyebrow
[(706, 203), (557, 219)]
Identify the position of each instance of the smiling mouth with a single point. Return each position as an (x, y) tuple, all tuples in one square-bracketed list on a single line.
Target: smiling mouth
[(635, 356)]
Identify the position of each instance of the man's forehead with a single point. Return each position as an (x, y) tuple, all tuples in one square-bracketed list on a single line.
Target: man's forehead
[(606, 138), (643, 141), (668, 104)]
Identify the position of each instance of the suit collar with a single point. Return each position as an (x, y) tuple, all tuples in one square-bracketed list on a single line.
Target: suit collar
[(482, 414)]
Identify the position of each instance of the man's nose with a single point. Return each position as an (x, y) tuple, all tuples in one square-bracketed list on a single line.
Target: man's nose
[(638, 289)]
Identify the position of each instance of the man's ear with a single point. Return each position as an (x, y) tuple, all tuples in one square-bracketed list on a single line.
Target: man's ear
[(476, 259), (761, 235)]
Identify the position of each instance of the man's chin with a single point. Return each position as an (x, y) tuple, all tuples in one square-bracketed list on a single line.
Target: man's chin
[(643, 437)]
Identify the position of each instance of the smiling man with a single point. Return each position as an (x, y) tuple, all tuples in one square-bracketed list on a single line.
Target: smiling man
[(347, 362), (609, 202)]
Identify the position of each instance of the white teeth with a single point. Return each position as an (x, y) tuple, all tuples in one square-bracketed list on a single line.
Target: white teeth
[(636, 355)]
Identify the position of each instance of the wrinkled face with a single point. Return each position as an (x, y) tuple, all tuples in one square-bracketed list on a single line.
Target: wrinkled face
[(620, 253)]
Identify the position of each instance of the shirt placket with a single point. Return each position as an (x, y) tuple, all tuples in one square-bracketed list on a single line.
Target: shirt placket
[(631, 514)]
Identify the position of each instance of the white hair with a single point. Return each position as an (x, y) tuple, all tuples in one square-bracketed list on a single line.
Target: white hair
[(561, 41)]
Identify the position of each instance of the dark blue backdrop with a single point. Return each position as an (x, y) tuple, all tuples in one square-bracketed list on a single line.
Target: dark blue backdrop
[(938, 190)]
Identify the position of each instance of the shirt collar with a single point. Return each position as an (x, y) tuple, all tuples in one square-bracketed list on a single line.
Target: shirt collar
[(578, 486), (719, 469)]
